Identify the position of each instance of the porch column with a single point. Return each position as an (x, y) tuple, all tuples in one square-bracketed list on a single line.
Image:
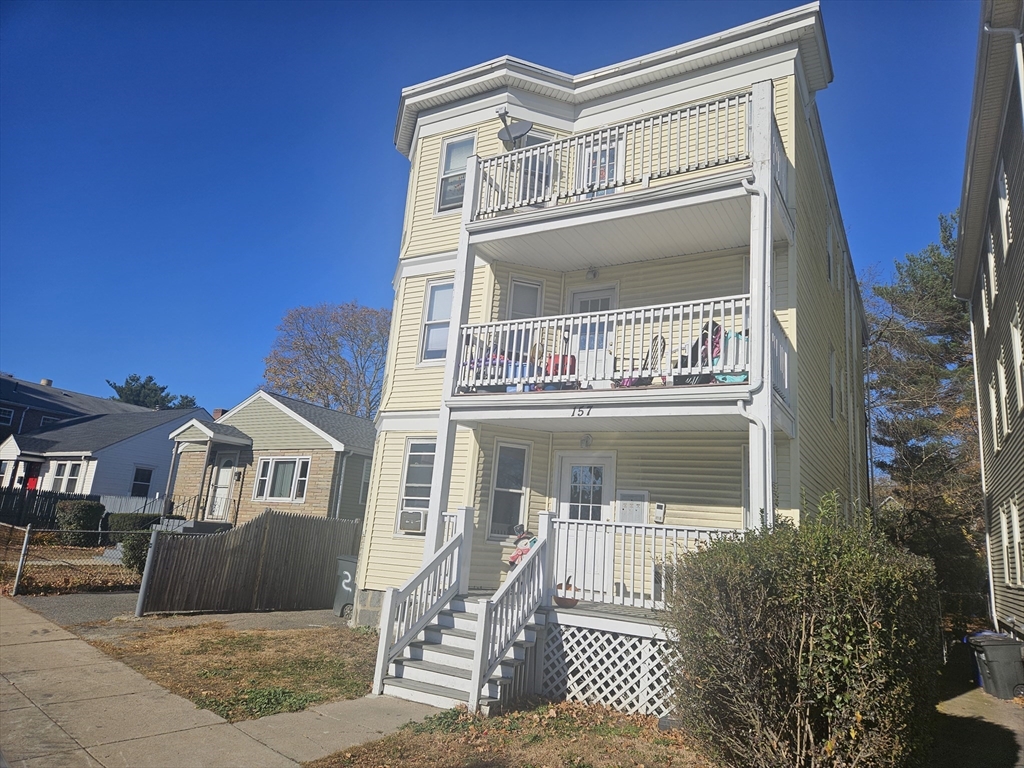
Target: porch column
[(759, 410), (462, 290)]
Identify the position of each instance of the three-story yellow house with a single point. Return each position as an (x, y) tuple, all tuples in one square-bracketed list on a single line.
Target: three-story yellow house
[(626, 320)]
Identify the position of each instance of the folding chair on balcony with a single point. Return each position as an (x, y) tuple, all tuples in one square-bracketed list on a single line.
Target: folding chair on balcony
[(654, 355)]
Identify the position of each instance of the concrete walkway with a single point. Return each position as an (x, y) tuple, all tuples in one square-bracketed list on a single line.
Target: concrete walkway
[(65, 704)]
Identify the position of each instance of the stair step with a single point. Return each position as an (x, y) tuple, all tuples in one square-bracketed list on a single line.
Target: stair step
[(463, 673)]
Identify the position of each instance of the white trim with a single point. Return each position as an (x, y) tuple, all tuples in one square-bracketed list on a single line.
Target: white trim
[(270, 461), (229, 439), (524, 501), (9, 415), (596, 288), (406, 421), (409, 440), (593, 457), (538, 284), (418, 266), (440, 171), (421, 345)]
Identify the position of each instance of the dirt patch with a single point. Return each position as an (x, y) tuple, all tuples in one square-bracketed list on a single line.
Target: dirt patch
[(241, 675), (564, 735)]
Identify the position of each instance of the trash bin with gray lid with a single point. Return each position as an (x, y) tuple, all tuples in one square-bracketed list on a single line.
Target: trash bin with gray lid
[(345, 594), (1000, 662)]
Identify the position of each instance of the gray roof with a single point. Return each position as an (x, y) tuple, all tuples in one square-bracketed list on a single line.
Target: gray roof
[(355, 432), (30, 395), (224, 429), (91, 433)]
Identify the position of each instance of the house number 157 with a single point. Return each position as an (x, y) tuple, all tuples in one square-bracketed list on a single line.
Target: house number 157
[(583, 410)]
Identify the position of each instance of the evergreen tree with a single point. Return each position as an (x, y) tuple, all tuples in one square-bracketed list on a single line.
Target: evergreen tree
[(922, 399), (147, 393)]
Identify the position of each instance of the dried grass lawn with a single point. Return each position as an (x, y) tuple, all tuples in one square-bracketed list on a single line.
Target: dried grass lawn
[(242, 675), (564, 735)]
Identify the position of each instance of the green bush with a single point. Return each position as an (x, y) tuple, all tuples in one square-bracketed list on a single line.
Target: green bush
[(75, 517), (131, 531), (806, 647)]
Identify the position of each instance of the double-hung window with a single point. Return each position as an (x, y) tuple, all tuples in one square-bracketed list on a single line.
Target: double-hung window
[(66, 476), (1003, 192), (437, 315), (6, 417), (364, 484), (282, 479), (419, 471), (1017, 344), (141, 481), (454, 156), (508, 497)]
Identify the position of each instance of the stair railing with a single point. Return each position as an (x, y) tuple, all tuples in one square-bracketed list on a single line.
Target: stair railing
[(509, 610), (406, 611)]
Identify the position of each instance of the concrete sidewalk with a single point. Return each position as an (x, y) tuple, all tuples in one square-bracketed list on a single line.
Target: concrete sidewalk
[(64, 703)]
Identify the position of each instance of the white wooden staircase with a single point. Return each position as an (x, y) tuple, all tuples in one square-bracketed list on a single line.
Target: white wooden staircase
[(442, 647)]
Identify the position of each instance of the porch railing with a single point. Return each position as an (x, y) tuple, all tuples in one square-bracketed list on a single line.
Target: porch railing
[(588, 165), (696, 342), (509, 610), (620, 563), (780, 360), (408, 610)]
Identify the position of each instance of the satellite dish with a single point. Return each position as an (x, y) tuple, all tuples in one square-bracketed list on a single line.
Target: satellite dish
[(512, 133)]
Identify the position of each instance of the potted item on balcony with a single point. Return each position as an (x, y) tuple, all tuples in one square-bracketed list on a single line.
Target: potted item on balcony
[(566, 602), (561, 365)]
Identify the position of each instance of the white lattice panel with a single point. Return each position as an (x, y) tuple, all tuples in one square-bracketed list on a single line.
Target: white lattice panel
[(624, 672)]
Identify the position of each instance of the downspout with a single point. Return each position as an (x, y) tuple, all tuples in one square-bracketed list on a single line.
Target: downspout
[(757, 380), (1019, 50)]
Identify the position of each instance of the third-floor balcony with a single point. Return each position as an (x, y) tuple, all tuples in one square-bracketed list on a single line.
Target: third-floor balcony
[(647, 188)]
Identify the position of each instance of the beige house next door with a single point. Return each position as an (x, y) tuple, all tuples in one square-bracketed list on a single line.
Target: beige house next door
[(586, 489)]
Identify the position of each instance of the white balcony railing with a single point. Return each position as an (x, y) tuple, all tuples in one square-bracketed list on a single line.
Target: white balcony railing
[(688, 343), (591, 164), (620, 563), (780, 360)]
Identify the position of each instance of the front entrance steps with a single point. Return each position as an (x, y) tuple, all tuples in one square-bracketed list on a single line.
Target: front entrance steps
[(437, 667)]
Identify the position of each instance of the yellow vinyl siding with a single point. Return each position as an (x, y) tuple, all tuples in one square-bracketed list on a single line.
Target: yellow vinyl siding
[(271, 428)]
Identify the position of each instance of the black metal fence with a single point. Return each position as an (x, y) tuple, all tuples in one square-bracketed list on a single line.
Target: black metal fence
[(36, 508)]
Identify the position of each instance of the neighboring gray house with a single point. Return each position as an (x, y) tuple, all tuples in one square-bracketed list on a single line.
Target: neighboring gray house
[(273, 451), (108, 454)]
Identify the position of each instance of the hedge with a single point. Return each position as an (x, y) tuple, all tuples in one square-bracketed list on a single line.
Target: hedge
[(131, 531), (76, 518), (806, 647)]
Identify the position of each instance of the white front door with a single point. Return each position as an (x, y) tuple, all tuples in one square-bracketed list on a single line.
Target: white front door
[(583, 563), (593, 340), (220, 488)]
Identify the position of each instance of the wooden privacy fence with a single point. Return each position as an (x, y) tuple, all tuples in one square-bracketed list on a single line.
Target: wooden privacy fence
[(277, 561), (21, 507)]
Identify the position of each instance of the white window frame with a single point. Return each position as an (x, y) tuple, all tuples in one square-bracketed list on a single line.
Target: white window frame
[(1005, 543), (586, 152), (6, 417), (1001, 382), (44, 420), (993, 408), (832, 382), (364, 481), (1017, 346), (516, 280), (61, 477), (984, 301), (1018, 549), (149, 485), (441, 175), (409, 441), (1003, 192), (299, 478), (524, 506), (990, 260), (426, 324)]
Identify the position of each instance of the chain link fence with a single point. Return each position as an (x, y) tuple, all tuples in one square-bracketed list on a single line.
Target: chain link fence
[(48, 561)]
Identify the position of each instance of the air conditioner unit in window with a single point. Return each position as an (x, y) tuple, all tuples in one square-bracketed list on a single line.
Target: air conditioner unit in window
[(413, 521)]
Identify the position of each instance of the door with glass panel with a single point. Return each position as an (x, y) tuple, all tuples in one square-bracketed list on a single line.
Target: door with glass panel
[(220, 488), (583, 563), (592, 339)]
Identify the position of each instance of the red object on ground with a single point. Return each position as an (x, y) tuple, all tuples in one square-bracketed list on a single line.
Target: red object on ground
[(560, 365)]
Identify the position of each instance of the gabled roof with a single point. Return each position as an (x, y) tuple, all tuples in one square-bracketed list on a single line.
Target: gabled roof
[(44, 398), (211, 429), (356, 433), (800, 25), (88, 434)]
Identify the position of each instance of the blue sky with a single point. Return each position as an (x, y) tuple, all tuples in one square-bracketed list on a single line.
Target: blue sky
[(175, 176)]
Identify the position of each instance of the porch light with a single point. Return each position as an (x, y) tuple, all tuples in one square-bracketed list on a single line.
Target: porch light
[(585, 441), (592, 273)]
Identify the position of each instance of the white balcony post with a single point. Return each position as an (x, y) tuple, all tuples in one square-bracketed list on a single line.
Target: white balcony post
[(545, 535), (761, 244), (462, 290), (464, 526)]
